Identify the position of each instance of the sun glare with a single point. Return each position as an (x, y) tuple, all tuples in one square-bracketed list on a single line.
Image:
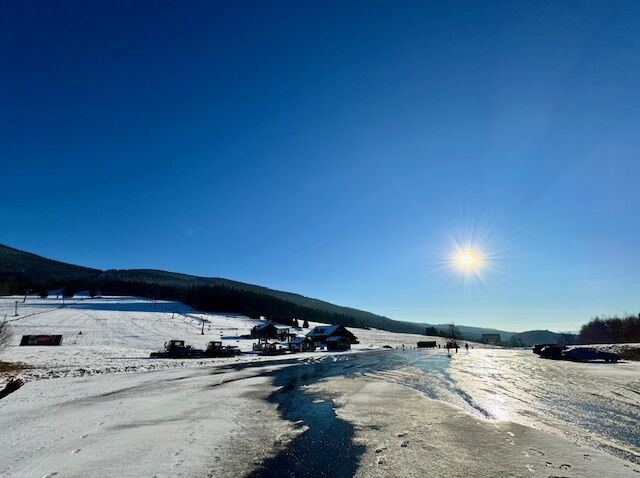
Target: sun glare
[(468, 259)]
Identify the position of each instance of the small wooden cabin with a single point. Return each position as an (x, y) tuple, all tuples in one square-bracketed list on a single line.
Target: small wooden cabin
[(265, 330), (322, 333)]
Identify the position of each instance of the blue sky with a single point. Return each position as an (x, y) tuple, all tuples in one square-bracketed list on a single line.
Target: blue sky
[(336, 149)]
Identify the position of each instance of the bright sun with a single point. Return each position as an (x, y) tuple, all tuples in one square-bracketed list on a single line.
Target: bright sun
[(468, 259)]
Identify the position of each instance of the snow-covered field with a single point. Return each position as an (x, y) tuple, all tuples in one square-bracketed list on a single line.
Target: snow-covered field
[(117, 334), (197, 418), (100, 418), (167, 423)]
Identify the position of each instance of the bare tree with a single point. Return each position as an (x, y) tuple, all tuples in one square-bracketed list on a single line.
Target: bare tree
[(5, 334)]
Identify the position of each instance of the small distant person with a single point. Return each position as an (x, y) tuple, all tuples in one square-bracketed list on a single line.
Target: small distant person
[(466, 346), (12, 385)]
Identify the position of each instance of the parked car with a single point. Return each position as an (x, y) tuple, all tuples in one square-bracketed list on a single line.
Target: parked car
[(552, 352), (584, 354), (537, 348)]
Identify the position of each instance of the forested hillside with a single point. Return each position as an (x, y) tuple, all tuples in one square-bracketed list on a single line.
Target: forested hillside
[(21, 272)]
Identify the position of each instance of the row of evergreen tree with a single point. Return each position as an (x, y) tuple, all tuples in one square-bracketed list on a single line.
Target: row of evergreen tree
[(451, 332), (611, 330)]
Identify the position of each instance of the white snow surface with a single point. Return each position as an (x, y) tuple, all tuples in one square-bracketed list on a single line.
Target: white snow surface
[(168, 423), (117, 334), (102, 417), (99, 418)]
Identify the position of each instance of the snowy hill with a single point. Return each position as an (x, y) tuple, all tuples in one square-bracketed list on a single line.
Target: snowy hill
[(531, 337)]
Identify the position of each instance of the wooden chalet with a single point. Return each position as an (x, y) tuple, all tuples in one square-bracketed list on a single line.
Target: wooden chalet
[(321, 334), (265, 330), (301, 344)]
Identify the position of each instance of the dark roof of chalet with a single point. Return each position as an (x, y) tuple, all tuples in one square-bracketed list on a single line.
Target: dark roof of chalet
[(324, 330), (264, 325), (337, 338)]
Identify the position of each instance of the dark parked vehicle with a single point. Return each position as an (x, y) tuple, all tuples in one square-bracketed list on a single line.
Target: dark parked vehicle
[(177, 349), (552, 352), (538, 347), (580, 354), (215, 349)]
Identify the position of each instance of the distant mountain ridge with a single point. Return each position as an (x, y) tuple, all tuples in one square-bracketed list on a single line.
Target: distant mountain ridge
[(527, 338), (531, 337), (475, 333)]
